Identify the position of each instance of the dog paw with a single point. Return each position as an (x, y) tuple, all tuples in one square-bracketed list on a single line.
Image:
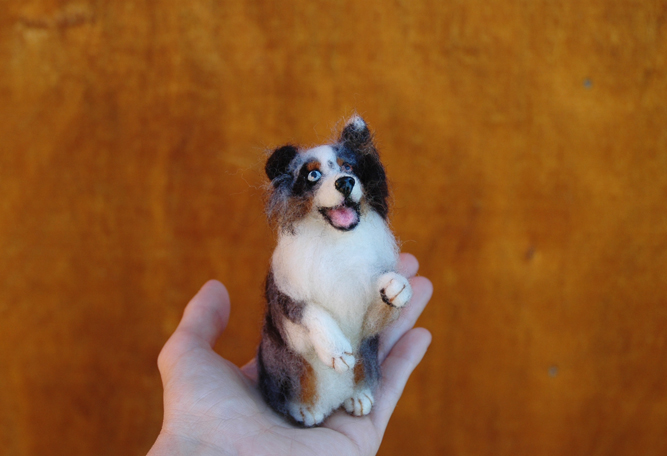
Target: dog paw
[(337, 354), (308, 416), (343, 362), (360, 403), (395, 289)]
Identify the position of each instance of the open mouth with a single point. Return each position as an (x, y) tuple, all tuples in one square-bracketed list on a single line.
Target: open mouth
[(344, 217)]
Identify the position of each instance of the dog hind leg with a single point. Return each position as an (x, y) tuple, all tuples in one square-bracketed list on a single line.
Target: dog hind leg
[(366, 378)]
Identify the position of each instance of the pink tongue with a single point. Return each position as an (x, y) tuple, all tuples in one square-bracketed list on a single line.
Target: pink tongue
[(343, 216)]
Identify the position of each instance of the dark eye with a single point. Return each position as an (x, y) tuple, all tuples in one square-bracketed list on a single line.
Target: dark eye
[(346, 167), (314, 175)]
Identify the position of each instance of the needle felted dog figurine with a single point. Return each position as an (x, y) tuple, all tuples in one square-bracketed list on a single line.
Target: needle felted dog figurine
[(332, 286)]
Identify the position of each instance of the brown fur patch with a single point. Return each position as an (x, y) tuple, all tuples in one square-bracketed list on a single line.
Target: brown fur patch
[(290, 211), (300, 208), (313, 165), (359, 372), (308, 385), (378, 317)]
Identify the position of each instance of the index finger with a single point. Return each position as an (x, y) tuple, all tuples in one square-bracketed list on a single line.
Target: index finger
[(204, 319), (407, 265)]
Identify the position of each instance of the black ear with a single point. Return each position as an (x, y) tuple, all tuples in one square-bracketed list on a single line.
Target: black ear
[(356, 136), (279, 161)]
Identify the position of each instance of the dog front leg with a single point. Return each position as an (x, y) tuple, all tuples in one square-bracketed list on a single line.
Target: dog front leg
[(394, 292), (323, 334)]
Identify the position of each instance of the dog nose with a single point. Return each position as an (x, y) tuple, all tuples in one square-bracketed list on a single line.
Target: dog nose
[(345, 185)]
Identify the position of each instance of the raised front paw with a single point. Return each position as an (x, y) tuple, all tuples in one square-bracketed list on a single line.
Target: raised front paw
[(395, 289), (360, 403)]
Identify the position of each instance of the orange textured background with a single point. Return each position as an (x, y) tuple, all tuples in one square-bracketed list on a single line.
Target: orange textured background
[(526, 142)]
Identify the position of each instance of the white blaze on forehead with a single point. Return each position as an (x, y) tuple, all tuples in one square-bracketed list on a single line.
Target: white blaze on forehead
[(323, 154)]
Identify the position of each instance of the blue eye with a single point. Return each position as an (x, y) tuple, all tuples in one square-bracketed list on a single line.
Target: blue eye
[(346, 167), (314, 175)]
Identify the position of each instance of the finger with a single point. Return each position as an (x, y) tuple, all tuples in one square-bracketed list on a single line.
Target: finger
[(359, 430), (422, 290), (204, 319), (250, 370), (206, 316), (407, 265), (396, 370)]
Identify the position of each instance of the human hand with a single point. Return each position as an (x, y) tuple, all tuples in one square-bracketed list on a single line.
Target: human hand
[(212, 407)]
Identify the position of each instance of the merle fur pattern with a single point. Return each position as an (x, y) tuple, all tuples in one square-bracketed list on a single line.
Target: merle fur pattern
[(280, 368), (288, 201)]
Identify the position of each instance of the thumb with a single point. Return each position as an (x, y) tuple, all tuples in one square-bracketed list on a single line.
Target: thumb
[(204, 320)]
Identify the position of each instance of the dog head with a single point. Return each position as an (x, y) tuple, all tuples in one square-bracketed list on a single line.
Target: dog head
[(337, 182)]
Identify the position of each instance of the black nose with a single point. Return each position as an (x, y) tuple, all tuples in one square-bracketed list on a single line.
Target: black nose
[(345, 185)]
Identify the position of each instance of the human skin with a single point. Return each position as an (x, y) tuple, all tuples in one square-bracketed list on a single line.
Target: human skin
[(213, 407)]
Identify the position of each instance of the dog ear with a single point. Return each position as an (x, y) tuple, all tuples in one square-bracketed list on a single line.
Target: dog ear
[(356, 136), (279, 161)]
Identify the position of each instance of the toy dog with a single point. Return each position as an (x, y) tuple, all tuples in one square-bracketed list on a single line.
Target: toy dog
[(332, 285)]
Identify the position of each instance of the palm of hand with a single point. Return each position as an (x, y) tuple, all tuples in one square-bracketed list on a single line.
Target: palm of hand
[(214, 407)]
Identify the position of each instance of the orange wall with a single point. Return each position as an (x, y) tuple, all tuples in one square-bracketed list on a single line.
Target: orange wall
[(526, 142)]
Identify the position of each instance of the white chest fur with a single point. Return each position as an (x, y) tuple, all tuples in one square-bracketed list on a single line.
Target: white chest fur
[(333, 269)]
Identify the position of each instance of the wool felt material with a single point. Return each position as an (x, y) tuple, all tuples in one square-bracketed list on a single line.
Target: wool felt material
[(332, 286)]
